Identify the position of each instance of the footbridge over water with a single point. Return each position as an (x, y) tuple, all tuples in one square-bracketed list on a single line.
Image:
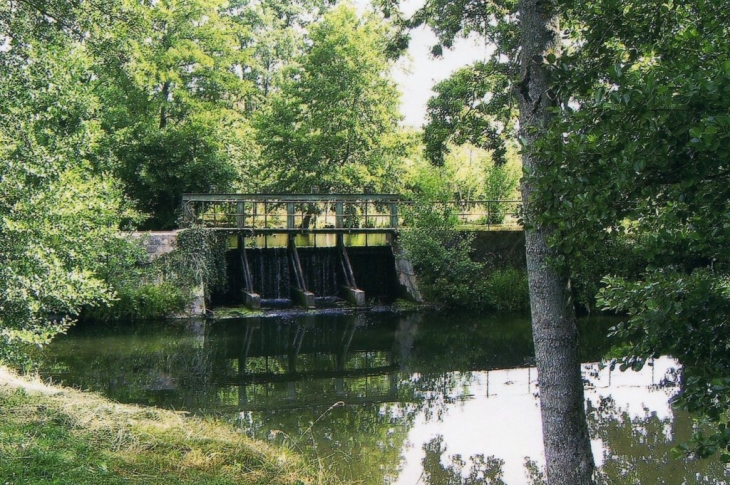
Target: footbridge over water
[(336, 233)]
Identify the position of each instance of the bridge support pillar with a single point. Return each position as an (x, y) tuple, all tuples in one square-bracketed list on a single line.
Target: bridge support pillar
[(352, 293), (302, 297), (251, 299), (354, 296)]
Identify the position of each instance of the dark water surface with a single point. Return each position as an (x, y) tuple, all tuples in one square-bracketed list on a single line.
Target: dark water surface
[(387, 397)]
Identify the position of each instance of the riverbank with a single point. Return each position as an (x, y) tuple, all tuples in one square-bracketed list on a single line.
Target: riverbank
[(53, 435)]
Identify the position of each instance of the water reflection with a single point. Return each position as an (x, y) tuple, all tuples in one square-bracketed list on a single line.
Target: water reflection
[(454, 470), (637, 448), (386, 397), (496, 415)]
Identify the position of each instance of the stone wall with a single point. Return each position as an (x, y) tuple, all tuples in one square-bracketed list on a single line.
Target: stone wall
[(157, 242)]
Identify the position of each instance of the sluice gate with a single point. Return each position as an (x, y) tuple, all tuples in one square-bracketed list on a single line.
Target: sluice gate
[(274, 274)]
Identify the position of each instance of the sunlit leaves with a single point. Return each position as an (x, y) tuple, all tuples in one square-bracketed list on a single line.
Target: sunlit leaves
[(58, 218), (171, 82), (333, 123), (474, 105)]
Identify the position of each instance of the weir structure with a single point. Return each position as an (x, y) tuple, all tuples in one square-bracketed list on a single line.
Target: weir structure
[(340, 224)]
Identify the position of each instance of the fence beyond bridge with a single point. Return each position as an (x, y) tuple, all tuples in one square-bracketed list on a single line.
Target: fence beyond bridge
[(336, 213)]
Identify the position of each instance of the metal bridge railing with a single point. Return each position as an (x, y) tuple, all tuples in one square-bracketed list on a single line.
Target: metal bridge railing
[(486, 214), (281, 213)]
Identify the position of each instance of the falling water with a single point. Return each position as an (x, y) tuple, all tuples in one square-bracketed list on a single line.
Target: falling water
[(272, 274)]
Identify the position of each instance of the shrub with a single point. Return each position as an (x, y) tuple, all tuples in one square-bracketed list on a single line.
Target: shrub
[(507, 290), (441, 257), (166, 285), (148, 301)]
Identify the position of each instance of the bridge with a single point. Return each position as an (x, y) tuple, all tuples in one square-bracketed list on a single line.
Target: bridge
[(263, 214), (267, 221)]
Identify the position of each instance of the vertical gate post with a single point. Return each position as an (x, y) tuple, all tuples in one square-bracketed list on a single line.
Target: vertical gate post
[(339, 215), (251, 299), (240, 217), (352, 293), (393, 215), (290, 215), (302, 296)]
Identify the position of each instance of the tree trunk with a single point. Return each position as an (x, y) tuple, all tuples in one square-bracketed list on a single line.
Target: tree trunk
[(565, 431)]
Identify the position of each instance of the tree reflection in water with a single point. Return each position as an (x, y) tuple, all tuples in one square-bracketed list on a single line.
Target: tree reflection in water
[(638, 449), (406, 381), (477, 471)]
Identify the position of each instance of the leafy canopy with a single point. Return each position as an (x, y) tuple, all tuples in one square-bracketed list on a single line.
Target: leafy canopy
[(333, 123), (170, 79), (58, 218)]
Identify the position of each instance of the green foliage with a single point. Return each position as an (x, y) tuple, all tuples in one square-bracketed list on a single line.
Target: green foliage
[(441, 256), (640, 149), (494, 21), (58, 218), (273, 32), (467, 172), (166, 285), (148, 301), (140, 290), (174, 121), (502, 180), (620, 256), (477, 104), (332, 123), (472, 106), (198, 258), (506, 290), (501, 183), (684, 315), (157, 166)]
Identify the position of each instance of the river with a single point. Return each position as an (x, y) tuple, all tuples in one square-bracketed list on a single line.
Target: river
[(387, 397)]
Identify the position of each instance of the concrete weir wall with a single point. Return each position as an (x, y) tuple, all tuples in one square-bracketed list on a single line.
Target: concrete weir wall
[(158, 243)]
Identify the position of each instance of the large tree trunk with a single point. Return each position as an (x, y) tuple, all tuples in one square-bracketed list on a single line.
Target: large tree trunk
[(565, 432)]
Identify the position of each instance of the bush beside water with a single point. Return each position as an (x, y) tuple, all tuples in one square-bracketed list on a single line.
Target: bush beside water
[(144, 302), (166, 285), (447, 273)]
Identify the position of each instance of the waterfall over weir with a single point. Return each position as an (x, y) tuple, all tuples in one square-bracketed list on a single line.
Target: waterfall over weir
[(273, 275)]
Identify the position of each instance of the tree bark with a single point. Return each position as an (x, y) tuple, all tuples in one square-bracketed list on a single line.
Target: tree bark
[(555, 335)]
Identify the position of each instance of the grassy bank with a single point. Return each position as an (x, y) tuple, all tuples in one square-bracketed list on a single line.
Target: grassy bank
[(52, 435)]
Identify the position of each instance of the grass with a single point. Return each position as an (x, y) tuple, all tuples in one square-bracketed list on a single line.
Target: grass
[(408, 305), (51, 435)]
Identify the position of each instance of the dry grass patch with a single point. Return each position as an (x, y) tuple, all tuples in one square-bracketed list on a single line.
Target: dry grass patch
[(58, 435)]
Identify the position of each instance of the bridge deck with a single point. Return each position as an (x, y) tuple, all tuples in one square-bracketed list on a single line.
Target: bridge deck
[(264, 214)]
